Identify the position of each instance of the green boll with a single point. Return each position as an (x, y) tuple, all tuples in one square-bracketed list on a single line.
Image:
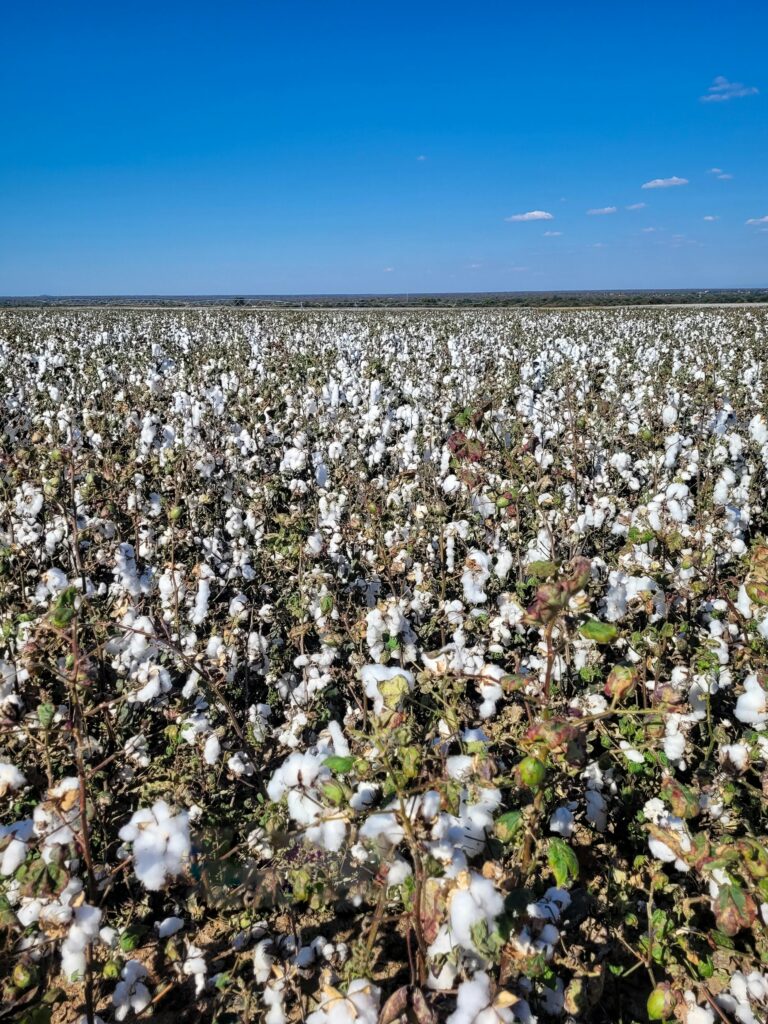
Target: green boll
[(531, 772), (24, 975), (111, 970)]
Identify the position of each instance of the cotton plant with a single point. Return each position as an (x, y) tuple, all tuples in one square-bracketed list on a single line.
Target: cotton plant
[(310, 579)]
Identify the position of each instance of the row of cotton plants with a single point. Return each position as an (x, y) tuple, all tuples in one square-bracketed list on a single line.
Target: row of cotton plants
[(376, 667)]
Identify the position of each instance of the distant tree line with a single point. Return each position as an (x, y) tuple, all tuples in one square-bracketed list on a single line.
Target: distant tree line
[(447, 300)]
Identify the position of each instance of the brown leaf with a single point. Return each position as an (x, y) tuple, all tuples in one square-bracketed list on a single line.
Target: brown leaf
[(395, 1006)]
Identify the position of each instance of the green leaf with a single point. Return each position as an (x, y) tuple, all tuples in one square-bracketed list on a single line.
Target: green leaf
[(45, 714), (131, 938), (508, 825), (339, 765), (541, 569), (64, 609), (600, 632), (562, 861)]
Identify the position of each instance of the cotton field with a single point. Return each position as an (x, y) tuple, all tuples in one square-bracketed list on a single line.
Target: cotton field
[(374, 667)]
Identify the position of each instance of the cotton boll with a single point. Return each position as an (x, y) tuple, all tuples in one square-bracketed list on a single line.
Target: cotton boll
[(263, 961), (359, 1005), (504, 563), (474, 900), (752, 705), (661, 851), (11, 778), (212, 750), (194, 966), (561, 821), (596, 810), (168, 926), (474, 1004), (273, 998), (476, 573), (699, 1015), (669, 415), (130, 992), (161, 844), (735, 755)]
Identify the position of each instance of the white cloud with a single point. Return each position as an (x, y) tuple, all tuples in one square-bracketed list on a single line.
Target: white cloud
[(421, 157), (722, 90), (388, 270), (552, 234), (649, 230), (720, 174), (531, 215), (758, 220), (665, 182), (637, 206), (602, 211), (518, 270), (710, 217)]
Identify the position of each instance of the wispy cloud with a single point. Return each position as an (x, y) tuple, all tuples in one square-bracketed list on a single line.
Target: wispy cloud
[(665, 182), (720, 174), (531, 215), (648, 231), (552, 234), (711, 217), (722, 90), (421, 158), (388, 270), (637, 206), (601, 211), (758, 220), (518, 270)]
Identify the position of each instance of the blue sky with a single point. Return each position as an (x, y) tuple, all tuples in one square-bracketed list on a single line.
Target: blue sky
[(291, 146)]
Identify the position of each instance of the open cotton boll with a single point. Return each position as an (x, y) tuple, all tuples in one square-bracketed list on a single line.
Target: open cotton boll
[(474, 577), (561, 821), (168, 926), (263, 961), (130, 992), (504, 562), (752, 705), (161, 844), (11, 778), (83, 930), (473, 901), (194, 966), (474, 1004), (490, 689), (669, 415), (212, 749), (699, 1015), (14, 838), (383, 828), (735, 755), (359, 1005)]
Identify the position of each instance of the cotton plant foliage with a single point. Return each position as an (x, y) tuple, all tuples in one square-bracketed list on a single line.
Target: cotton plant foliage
[(373, 667)]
